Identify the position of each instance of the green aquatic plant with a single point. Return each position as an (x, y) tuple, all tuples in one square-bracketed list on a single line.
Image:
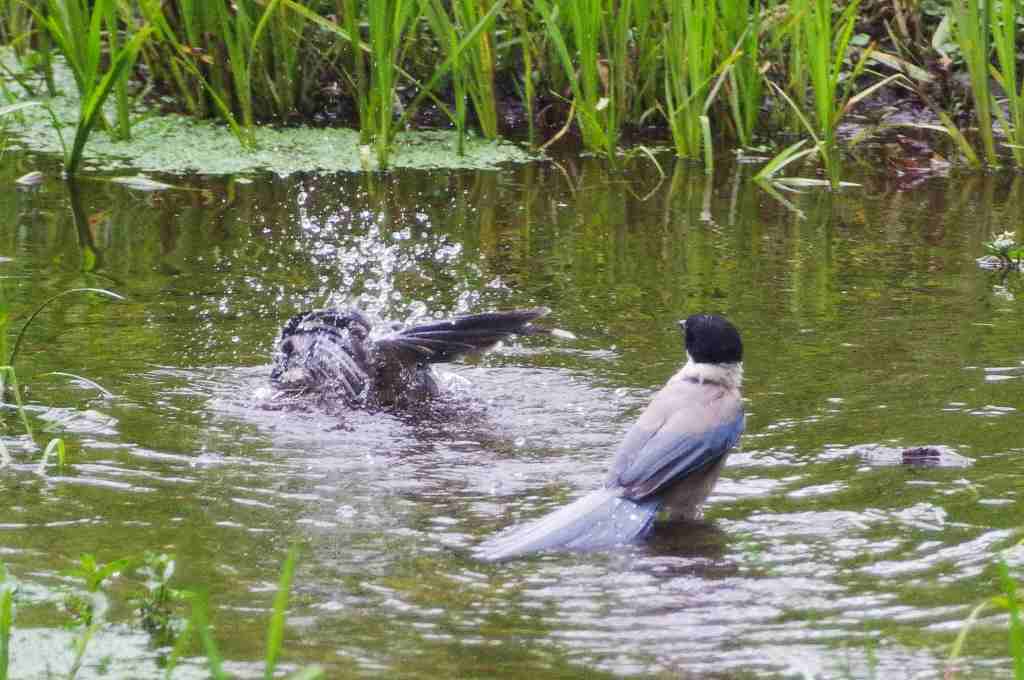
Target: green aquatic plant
[(200, 623), (91, 103), (378, 123), (526, 84), (694, 74), (88, 611), (77, 28), (823, 44), (54, 448), (275, 628), (388, 22), (739, 30), (45, 304), (9, 383), (598, 33), (7, 588), (1005, 248), (1011, 601), (1005, 32), (155, 605), (971, 21), (472, 69)]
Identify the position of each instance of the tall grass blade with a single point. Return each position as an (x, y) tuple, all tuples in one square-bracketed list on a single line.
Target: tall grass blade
[(91, 107), (740, 30), (181, 646), (788, 155), (595, 114), (1013, 605), (275, 630), (971, 19), (9, 377), (6, 621), (447, 64), (1005, 31), (110, 18), (201, 625), (689, 72), (40, 308), (55, 447), (527, 92)]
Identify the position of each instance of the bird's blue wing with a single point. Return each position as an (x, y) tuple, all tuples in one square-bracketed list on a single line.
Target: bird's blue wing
[(649, 460)]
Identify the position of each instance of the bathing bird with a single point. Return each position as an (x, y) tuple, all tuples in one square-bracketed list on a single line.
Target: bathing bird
[(332, 353), (668, 461)]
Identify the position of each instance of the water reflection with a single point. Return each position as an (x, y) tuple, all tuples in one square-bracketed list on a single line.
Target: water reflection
[(870, 329)]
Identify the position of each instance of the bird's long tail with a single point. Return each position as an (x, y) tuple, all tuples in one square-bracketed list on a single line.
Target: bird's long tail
[(446, 340), (598, 520)]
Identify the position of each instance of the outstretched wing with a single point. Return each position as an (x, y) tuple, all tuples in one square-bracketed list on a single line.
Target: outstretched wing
[(446, 340)]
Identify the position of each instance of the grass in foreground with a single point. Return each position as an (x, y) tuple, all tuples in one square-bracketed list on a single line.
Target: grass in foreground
[(87, 614)]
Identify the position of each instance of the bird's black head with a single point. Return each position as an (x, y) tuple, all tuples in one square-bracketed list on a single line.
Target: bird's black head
[(311, 348), (710, 339)]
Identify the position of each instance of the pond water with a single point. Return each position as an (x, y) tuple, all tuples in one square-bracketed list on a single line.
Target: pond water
[(868, 328)]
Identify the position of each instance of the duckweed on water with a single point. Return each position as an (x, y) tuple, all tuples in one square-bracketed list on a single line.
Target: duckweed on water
[(177, 144)]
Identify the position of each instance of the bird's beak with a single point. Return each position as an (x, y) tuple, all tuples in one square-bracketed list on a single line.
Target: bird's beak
[(682, 325)]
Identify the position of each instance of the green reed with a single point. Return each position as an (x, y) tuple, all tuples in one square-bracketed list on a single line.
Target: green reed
[(598, 33), (644, 84), (9, 382), (6, 619), (181, 58), (200, 623), (472, 69), (825, 52), (1013, 607), (740, 29), (17, 25), (243, 61), (88, 613), (615, 63), (689, 68), (446, 31), (526, 84), (77, 28), (971, 21), (349, 11), (388, 22), (1005, 30), (826, 46), (275, 628)]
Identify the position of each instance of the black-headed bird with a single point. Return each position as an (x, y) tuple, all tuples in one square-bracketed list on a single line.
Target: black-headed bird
[(668, 462)]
